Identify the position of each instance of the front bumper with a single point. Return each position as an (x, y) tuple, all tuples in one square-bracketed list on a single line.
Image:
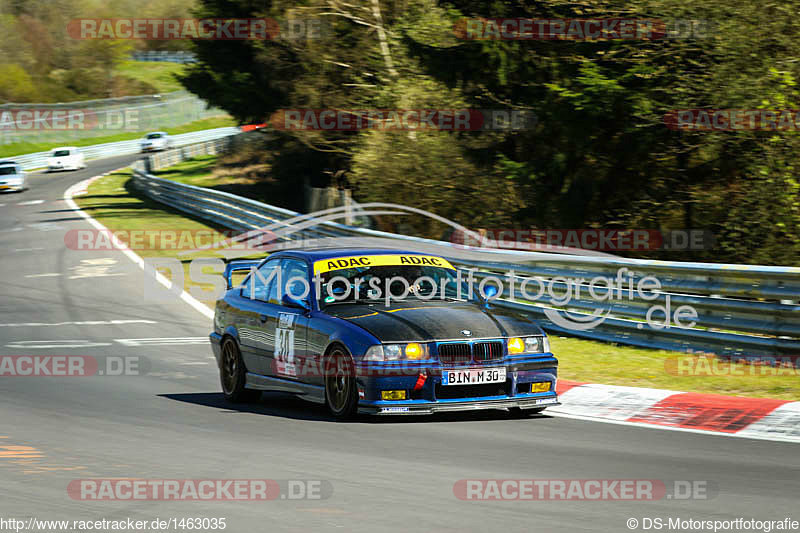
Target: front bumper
[(14, 186), (443, 406), (153, 148), (372, 379), (427, 395)]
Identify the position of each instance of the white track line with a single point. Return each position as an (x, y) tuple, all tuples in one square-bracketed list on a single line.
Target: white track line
[(196, 304)]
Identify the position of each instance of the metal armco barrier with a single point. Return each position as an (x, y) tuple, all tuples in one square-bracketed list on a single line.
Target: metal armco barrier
[(165, 56), (742, 310), (37, 123)]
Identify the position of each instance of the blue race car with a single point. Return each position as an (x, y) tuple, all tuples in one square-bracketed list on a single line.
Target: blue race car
[(376, 331)]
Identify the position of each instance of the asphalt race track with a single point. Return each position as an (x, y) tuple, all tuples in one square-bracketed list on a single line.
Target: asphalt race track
[(388, 474)]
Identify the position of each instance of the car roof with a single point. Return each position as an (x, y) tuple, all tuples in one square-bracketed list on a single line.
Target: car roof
[(161, 132), (320, 254)]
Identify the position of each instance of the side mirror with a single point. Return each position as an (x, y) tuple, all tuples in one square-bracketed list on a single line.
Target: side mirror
[(288, 301)]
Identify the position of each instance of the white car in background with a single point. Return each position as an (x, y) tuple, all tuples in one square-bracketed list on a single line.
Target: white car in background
[(66, 158), (12, 178), (156, 141)]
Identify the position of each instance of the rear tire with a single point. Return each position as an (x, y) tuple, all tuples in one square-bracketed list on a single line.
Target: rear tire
[(341, 396), (232, 374)]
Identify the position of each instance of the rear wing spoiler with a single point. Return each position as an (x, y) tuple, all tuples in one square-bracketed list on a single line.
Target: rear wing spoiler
[(238, 266)]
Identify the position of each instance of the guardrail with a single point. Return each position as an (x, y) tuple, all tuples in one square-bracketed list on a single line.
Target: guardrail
[(62, 122), (742, 310), (99, 151), (165, 56)]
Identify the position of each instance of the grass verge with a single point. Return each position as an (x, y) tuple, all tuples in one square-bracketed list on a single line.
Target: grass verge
[(111, 201), (160, 75), (11, 150)]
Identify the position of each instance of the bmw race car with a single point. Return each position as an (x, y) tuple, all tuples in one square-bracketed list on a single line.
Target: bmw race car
[(376, 331)]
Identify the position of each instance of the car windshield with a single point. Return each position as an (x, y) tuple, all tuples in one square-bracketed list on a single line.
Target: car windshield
[(60, 153), (404, 282), (154, 136), (5, 171)]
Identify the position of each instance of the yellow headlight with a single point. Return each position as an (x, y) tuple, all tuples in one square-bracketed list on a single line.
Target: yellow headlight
[(542, 386), (414, 351), (515, 346), (393, 395)]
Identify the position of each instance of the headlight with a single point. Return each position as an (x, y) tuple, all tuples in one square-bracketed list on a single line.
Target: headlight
[(515, 346), (520, 345), (533, 344), (374, 353), (397, 352), (415, 351), (392, 352)]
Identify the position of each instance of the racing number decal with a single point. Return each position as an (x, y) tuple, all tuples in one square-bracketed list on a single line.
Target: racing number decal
[(284, 344)]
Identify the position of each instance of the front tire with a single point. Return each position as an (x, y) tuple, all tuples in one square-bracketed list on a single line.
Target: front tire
[(232, 374), (341, 396)]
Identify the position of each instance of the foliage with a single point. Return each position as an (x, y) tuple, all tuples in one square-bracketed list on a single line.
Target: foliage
[(600, 155), (51, 66)]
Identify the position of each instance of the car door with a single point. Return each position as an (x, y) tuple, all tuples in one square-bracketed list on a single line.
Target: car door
[(256, 318), (291, 323)]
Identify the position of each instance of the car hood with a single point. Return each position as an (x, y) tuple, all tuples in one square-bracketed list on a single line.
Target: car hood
[(435, 320)]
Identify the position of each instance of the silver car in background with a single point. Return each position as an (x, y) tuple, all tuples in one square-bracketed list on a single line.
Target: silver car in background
[(156, 141), (66, 158), (12, 177)]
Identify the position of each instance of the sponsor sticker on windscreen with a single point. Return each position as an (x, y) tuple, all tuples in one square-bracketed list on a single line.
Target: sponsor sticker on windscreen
[(366, 261)]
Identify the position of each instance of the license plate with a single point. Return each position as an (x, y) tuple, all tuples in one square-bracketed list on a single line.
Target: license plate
[(544, 401), (473, 376)]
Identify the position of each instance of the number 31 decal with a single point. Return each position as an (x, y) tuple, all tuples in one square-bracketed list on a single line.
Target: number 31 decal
[(284, 344)]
